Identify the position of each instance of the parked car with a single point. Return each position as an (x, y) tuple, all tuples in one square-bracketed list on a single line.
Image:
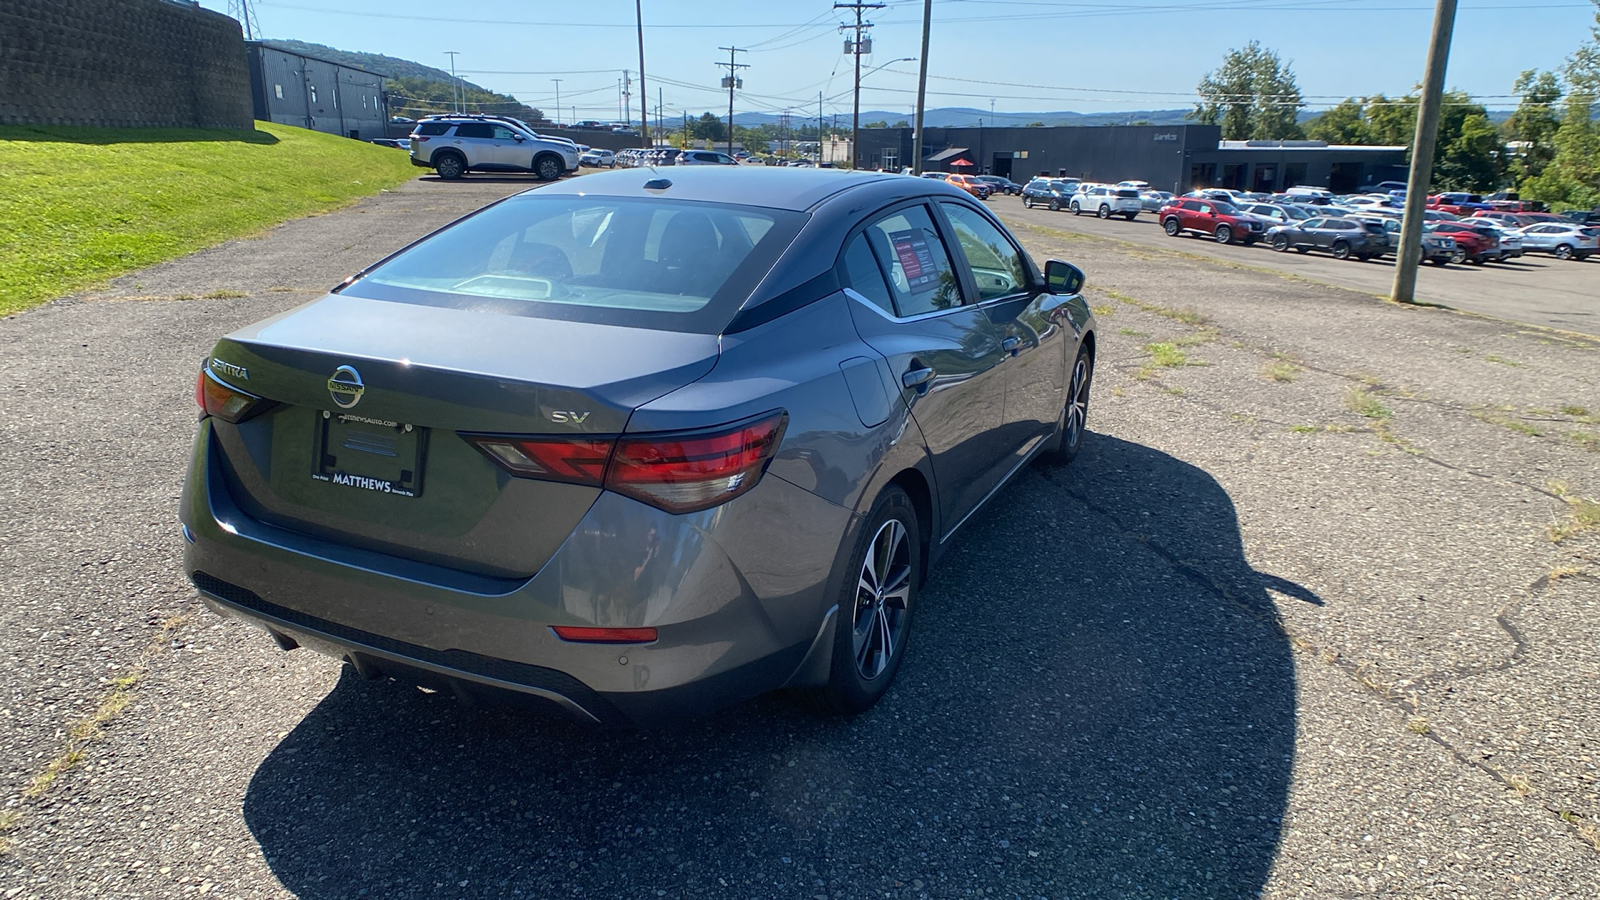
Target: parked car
[(1211, 218), (999, 185), (1278, 213), (1308, 194), (1105, 201), (1474, 245), (705, 158), (1384, 187), (1151, 201), (970, 184), (1510, 236), (1457, 203), (1573, 241), (392, 142), (453, 146), (1438, 248), (598, 159), (1582, 217), (1344, 238), (648, 517), (1140, 186), (1052, 192)]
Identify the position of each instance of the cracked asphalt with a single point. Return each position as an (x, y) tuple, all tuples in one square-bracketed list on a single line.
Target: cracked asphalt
[(1293, 625)]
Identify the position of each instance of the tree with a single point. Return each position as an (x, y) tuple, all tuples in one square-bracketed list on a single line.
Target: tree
[(1344, 124), (1391, 123), (1035, 124), (708, 127), (1472, 160), (1573, 177), (1533, 126), (1253, 96), (878, 124)]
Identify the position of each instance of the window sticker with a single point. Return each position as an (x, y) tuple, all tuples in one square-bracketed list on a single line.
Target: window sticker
[(916, 260)]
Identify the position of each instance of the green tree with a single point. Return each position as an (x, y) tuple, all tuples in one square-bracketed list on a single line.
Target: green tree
[(878, 124), (1533, 126), (708, 127), (1472, 159), (1253, 96), (1035, 124), (1573, 177), (1344, 124), (1391, 123)]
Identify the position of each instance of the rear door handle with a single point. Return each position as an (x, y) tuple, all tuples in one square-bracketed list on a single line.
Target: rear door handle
[(917, 377), (1010, 344)]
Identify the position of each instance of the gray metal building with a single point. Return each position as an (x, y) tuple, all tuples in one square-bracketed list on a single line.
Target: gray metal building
[(1172, 158), (291, 88)]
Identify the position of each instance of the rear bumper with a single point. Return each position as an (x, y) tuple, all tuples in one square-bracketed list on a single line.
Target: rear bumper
[(420, 164), (738, 594)]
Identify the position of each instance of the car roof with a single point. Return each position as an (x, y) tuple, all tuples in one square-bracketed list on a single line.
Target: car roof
[(774, 187)]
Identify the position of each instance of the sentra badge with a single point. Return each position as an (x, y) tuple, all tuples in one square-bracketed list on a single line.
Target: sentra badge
[(346, 386), (222, 367)]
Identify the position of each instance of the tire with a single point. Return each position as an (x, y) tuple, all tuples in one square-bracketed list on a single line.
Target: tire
[(1341, 250), (1055, 205), (1439, 261), (1131, 216), (1251, 241), (1076, 209), (1302, 249), (1027, 203), (1104, 211), (1579, 257), (875, 606), (1280, 243), (1458, 256), (1224, 234), (548, 168), (1075, 415), (449, 166), (1477, 260), (1171, 227), (1563, 251)]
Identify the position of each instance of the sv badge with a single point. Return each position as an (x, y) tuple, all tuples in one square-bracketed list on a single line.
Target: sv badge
[(575, 418)]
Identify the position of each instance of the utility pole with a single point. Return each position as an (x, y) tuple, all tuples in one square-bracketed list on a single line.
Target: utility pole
[(644, 93), (558, 97), (856, 50), (661, 116), (922, 89), (456, 94), (1405, 270), (627, 99), (819, 124), (731, 81)]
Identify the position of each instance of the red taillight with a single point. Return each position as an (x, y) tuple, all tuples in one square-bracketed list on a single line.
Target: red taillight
[(587, 635), (569, 460), (679, 472), (418, 138), (688, 472), (223, 401)]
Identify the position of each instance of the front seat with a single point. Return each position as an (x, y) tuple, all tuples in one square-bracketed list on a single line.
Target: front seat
[(690, 256)]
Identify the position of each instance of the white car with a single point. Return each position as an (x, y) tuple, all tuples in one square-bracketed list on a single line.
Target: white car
[(1564, 241), (1510, 237), (1140, 186), (453, 145), (1106, 201), (705, 158), (598, 158)]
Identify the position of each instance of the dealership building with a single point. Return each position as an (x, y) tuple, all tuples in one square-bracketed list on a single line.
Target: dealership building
[(291, 88), (1175, 158)]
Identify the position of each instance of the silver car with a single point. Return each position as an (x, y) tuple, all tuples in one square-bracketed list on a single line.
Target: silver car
[(639, 445), (1563, 241)]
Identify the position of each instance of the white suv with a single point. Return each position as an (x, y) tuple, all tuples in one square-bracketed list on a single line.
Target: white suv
[(705, 158), (1105, 201), (456, 145)]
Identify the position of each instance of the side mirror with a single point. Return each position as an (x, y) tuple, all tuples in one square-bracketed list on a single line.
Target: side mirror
[(1063, 277), (519, 138)]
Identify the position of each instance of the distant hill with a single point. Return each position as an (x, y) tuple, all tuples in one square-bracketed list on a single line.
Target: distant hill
[(373, 62)]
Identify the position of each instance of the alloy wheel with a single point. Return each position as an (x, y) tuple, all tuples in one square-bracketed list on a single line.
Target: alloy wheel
[(883, 593), (1077, 404)]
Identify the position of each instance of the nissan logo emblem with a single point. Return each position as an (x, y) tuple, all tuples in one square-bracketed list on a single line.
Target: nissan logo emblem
[(346, 386)]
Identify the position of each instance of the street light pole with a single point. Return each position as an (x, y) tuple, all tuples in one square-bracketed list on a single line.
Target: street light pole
[(644, 95), (457, 96), (558, 98)]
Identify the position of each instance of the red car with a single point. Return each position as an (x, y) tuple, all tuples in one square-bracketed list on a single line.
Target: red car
[(1457, 203), (1211, 218), (1474, 245)]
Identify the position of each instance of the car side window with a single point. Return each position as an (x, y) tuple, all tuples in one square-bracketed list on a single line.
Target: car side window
[(863, 275), (913, 256), (1313, 223), (433, 129), (996, 263), (473, 130), (502, 133)]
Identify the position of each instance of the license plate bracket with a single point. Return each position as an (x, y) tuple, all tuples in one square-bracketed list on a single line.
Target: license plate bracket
[(369, 454)]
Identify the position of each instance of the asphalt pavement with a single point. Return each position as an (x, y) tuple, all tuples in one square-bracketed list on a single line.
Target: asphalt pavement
[(1292, 625)]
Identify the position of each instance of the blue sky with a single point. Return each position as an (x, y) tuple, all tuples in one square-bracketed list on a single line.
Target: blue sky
[(1024, 56)]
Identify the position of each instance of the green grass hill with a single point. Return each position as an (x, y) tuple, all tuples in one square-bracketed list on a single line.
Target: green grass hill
[(82, 205)]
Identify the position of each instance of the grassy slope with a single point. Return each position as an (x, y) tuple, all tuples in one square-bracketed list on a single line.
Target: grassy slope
[(80, 205)]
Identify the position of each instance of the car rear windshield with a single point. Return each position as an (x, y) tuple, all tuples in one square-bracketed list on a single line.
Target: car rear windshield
[(647, 263), (433, 129), (1128, 192)]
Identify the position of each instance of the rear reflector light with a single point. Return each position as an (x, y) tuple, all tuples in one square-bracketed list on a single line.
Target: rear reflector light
[(588, 635), (679, 472), (223, 401)]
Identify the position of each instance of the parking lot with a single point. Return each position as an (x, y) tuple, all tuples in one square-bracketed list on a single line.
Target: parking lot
[(1535, 288), (1315, 614)]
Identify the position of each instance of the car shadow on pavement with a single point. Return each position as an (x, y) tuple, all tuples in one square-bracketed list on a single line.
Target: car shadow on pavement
[(1098, 701)]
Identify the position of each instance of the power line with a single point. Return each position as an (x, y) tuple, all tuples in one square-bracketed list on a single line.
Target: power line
[(731, 81), (859, 8)]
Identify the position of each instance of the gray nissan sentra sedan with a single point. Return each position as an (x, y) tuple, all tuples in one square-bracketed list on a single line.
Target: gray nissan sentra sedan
[(640, 444)]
